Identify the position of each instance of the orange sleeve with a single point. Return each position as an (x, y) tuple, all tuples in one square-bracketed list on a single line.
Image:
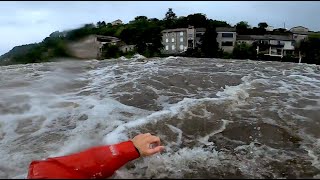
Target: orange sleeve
[(96, 162)]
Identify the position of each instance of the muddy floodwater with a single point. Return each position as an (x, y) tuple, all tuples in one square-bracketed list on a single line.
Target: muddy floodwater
[(217, 118)]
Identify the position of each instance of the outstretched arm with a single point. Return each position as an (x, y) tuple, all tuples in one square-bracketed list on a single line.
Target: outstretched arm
[(96, 162)]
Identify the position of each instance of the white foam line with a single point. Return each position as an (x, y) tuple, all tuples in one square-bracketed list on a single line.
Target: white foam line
[(305, 78), (176, 130), (182, 106), (205, 139), (315, 159)]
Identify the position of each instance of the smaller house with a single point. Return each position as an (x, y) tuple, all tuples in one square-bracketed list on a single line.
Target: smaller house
[(226, 38), (270, 45), (116, 22), (90, 47), (279, 45), (300, 33)]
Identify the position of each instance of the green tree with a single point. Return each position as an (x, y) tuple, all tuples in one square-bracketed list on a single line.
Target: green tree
[(310, 49), (197, 20), (101, 24), (242, 27), (170, 15), (111, 51), (216, 23), (209, 45), (244, 51), (263, 25)]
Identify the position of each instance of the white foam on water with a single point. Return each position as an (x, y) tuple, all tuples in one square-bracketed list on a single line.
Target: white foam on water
[(118, 134), (219, 65), (178, 131), (105, 123), (123, 58), (237, 93), (173, 164), (205, 139), (137, 57), (171, 57)]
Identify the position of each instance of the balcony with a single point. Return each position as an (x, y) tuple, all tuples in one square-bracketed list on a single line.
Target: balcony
[(276, 43)]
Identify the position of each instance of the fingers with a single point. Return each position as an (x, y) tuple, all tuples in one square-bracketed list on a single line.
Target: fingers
[(155, 150), (147, 134), (147, 144), (154, 139)]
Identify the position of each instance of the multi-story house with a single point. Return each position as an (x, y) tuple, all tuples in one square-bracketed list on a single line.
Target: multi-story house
[(270, 45), (176, 41), (226, 38)]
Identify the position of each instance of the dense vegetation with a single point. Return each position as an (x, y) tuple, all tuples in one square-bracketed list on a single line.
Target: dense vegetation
[(145, 33)]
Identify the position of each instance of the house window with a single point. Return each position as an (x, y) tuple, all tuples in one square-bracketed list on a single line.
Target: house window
[(173, 47), (181, 47), (181, 39), (167, 40), (227, 43), (172, 40), (181, 33), (227, 35), (167, 47)]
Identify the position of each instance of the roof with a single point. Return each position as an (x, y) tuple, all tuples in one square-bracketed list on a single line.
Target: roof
[(226, 29), (303, 33), (107, 38), (200, 29), (301, 27), (264, 37), (174, 30), (279, 37), (245, 37)]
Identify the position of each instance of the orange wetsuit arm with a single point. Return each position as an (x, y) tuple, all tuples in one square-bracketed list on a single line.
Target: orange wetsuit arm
[(96, 162)]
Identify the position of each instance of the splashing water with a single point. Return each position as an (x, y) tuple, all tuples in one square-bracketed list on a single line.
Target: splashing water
[(217, 118)]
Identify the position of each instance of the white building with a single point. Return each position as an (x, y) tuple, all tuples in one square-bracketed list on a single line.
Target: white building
[(116, 22), (178, 40), (226, 38)]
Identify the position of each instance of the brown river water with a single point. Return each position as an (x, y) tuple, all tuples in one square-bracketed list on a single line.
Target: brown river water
[(217, 118)]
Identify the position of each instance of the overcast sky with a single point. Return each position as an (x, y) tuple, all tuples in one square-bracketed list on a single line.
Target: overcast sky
[(29, 22)]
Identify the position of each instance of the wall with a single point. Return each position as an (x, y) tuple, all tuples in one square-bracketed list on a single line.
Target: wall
[(221, 39), (191, 35), (288, 45), (86, 48), (299, 37)]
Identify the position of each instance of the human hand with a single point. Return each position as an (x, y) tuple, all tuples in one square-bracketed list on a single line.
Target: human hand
[(144, 143)]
